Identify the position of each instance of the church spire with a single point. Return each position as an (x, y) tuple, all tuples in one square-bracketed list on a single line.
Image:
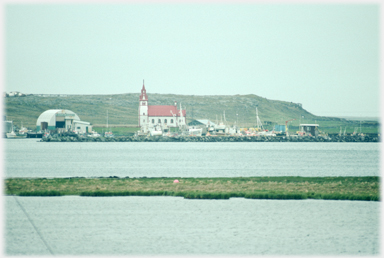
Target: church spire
[(143, 95)]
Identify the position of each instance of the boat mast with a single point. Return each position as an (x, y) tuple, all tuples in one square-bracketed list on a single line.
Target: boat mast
[(258, 121), (181, 118)]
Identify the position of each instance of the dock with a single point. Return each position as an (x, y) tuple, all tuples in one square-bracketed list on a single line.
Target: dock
[(34, 135)]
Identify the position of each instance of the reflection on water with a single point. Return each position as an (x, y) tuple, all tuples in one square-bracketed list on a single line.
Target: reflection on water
[(29, 158), (74, 225)]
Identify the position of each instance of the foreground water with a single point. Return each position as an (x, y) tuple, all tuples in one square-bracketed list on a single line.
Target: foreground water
[(74, 225), (30, 158)]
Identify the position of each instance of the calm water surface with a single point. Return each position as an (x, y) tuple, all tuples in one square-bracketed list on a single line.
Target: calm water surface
[(74, 225), (29, 158)]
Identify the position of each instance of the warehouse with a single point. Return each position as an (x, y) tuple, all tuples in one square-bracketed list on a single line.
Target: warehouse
[(62, 120)]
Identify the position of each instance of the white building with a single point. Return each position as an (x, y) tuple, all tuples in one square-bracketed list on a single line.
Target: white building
[(81, 127), (165, 116), (63, 120)]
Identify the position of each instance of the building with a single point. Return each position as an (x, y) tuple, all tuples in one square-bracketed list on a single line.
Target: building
[(280, 128), (165, 116), (62, 120), (202, 122), (14, 94), (310, 129)]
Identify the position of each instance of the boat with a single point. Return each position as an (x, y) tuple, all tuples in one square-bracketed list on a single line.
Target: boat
[(108, 134), (93, 134), (23, 129), (195, 131), (265, 133), (11, 134), (233, 130), (221, 128), (140, 133), (155, 131)]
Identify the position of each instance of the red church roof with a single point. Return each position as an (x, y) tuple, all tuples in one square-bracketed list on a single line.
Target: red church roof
[(164, 111)]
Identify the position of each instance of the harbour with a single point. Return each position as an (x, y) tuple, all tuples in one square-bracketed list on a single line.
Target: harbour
[(152, 137), (192, 130), (171, 123)]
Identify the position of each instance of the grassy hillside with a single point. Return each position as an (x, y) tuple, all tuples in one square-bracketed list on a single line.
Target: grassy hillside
[(123, 110)]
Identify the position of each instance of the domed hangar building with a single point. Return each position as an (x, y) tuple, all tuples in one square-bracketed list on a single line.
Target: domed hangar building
[(62, 120)]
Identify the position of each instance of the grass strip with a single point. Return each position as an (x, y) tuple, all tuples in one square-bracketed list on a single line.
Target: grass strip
[(283, 188)]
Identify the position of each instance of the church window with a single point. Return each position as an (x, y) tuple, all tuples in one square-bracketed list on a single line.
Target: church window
[(153, 121), (159, 121), (171, 121), (143, 114), (165, 120)]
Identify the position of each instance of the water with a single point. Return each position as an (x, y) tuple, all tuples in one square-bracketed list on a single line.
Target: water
[(29, 158), (74, 225)]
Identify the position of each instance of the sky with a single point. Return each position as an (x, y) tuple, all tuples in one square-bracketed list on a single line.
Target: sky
[(324, 56)]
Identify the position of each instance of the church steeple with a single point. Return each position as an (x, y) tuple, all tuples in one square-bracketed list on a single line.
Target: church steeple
[(143, 95), (143, 107)]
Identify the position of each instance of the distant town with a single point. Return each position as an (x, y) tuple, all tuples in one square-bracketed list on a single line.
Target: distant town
[(172, 121)]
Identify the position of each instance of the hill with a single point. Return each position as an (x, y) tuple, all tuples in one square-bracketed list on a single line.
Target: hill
[(123, 109)]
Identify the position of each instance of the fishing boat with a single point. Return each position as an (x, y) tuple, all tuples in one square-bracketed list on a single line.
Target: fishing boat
[(93, 134), (11, 134), (23, 129), (194, 131), (108, 134), (155, 131), (221, 128)]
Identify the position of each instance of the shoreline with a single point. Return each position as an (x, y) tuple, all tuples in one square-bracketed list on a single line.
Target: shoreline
[(325, 188), (221, 138)]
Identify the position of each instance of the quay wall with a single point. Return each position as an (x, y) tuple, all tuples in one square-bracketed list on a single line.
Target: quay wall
[(333, 138)]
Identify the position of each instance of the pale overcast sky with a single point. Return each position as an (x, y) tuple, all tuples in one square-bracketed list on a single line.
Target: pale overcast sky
[(325, 56)]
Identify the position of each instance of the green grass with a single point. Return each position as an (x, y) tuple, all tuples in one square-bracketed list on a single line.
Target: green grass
[(328, 188), (41, 193)]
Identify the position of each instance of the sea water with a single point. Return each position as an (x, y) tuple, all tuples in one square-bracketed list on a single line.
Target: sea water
[(74, 225), (30, 158)]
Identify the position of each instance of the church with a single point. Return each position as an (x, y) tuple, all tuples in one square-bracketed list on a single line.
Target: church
[(165, 116)]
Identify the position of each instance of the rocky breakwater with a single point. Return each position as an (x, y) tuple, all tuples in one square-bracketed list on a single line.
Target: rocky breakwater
[(334, 138)]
